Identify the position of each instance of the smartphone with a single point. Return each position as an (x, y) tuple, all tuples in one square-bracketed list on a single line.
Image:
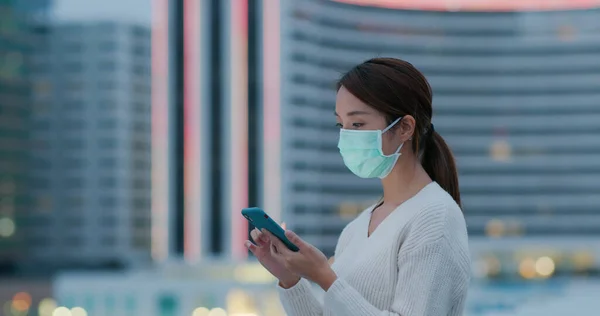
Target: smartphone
[(261, 220)]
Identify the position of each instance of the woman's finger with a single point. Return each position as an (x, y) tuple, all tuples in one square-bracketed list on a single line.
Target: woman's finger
[(255, 234), (252, 247), (280, 247)]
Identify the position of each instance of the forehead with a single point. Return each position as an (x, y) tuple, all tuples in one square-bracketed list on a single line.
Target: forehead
[(346, 102)]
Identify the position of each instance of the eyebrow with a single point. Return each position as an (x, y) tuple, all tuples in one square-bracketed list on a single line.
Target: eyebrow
[(353, 113)]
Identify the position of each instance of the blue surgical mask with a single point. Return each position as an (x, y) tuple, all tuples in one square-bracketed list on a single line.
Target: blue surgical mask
[(362, 152)]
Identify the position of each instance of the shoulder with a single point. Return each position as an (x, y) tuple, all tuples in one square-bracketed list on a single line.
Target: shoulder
[(439, 226), (438, 217)]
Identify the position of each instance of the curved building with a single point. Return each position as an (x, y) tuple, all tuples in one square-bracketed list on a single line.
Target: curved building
[(516, 95)]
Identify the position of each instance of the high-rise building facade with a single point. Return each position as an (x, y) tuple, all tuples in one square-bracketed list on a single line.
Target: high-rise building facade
[(514, 95), (206, 140), (16, 47), (91, 146)]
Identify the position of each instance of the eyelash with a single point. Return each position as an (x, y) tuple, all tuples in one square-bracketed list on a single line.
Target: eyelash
[(355, 125)]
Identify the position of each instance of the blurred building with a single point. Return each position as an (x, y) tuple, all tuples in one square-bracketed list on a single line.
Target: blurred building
[(91, 147), (247, 289), (16, 48), (206, 127), (215, 288), (515, 95)]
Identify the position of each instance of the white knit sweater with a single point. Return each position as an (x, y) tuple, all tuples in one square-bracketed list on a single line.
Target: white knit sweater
[(416, 263)]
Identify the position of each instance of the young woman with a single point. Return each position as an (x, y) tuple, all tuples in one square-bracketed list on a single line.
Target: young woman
[(407, 255)]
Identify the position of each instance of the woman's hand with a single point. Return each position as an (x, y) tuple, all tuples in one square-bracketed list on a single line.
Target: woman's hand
[(261, 250), (309, 262)]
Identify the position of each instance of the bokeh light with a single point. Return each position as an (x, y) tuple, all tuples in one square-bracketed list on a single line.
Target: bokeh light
[(62, 311), (583, 261), (46, 307), (201, 311), (217, 312), (21, 301), (78, 311), (495, 228), (7, 227), (527, 268), (544, 266)]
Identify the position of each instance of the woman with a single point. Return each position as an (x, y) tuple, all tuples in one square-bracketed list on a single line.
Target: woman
[(408, 254)]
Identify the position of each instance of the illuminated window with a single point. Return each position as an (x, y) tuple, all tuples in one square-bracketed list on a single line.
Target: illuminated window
[(500, 151), (566, 33), (348, 210)]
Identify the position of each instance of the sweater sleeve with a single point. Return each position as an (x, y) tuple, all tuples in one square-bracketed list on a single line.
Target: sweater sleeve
[(430, 281), (300, 300)]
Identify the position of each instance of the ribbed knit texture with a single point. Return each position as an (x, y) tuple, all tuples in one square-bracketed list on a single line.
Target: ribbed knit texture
[(416, 263)]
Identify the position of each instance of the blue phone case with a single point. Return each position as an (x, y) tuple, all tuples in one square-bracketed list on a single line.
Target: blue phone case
[(261, 220)]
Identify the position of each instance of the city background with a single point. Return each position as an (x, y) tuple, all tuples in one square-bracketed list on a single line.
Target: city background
[(133, 132)]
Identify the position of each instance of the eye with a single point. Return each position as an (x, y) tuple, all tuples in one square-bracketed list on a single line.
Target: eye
[(339, 125), (357, 125)]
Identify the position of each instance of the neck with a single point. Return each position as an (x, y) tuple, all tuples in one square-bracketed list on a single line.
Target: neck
[(405, 180)]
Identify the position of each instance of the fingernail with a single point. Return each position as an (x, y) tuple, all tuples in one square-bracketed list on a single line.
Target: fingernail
[(247, 244)]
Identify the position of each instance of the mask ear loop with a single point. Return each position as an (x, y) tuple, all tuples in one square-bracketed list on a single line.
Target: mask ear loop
[(392, 125), (389, 127)]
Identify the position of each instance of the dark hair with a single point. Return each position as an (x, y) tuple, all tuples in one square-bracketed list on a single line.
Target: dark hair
[(396, 88)]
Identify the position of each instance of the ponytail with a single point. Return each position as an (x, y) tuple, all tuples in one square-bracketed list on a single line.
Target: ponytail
[(438, 162)]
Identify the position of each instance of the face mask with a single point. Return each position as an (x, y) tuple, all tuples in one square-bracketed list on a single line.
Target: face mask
[(363, 154)]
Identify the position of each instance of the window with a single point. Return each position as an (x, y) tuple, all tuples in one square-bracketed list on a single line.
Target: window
[(73, 163), (74, 144), (138, 31), (140, 51), (73, 182), (140, 145), (73, 241), (107, 85), (141, 222), (74, 222), (107, 162), (44, 203), (141, 242), (140, 70), (107, 143), (108, 182), (42, 88), (108, 221), (41, 163), (75, 201), (73, 124), (73, 67), (108, 202), (108, 123), (107, 65), (107, 46), (141, 127)]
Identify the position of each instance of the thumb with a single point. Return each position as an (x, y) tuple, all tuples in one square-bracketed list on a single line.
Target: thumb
[(295, 239)]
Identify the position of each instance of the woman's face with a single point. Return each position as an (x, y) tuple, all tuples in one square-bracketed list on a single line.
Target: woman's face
[(352, 113)]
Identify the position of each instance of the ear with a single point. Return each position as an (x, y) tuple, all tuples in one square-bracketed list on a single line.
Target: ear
[(406, 128)]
